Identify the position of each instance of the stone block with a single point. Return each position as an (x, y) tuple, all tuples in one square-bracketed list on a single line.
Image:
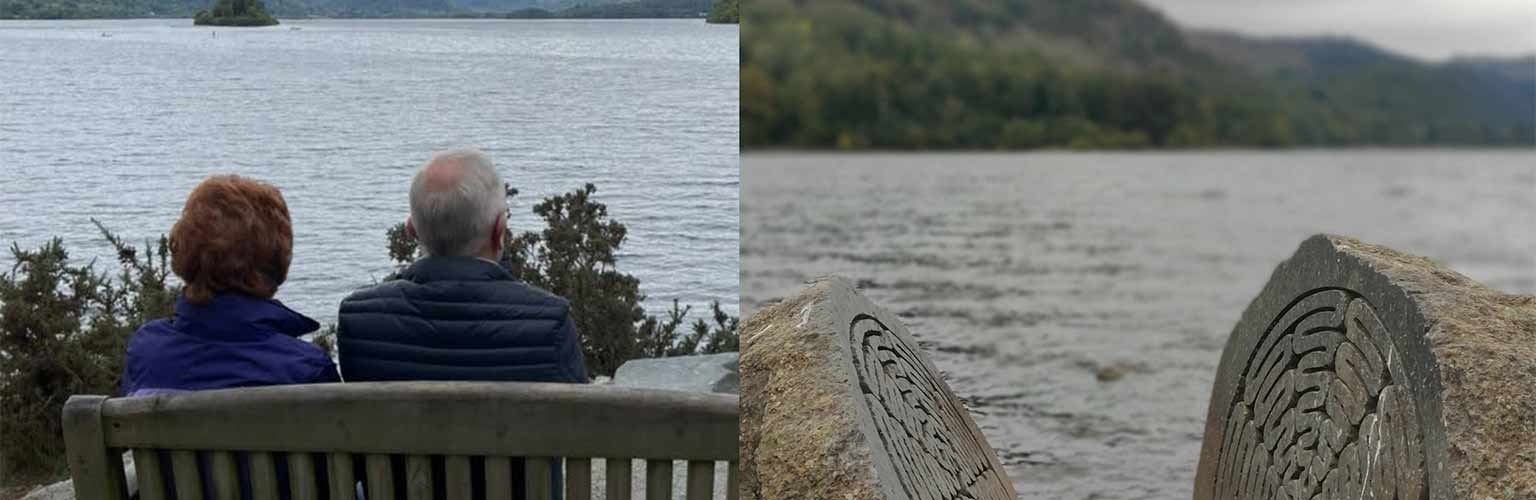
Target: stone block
[(1363, 372), (838, 401)]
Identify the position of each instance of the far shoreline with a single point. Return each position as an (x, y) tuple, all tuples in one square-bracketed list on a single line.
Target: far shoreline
[(381, 18)]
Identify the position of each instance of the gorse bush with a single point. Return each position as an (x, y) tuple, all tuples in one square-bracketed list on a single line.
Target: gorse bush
[(63, 331), (64, 328)]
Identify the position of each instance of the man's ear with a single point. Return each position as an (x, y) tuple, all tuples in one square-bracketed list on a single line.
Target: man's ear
[(410, 229), (499, 234)]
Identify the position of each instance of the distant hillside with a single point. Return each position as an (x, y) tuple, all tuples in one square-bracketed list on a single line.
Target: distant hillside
[(642, 9), (1095, 73), (1390, 96), (1514, 68), (86, 9), (504, 6)]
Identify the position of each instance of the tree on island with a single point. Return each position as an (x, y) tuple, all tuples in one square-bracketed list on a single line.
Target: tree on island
[(236, 13), (725, 12)]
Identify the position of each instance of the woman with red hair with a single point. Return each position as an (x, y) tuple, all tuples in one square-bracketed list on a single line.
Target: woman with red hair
[(231, 250)]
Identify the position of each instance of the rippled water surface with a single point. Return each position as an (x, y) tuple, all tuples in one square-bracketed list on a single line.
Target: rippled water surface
[(1026, 275), (118, 120)]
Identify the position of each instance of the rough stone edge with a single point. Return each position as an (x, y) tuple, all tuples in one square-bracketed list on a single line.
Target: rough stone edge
[(814, 447), (1484, 342)]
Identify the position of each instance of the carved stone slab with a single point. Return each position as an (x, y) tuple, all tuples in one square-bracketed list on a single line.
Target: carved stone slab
[(702, 373), (1362, 372), (839, 402)]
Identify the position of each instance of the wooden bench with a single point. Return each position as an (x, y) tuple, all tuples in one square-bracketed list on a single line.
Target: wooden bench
[(367, 423)]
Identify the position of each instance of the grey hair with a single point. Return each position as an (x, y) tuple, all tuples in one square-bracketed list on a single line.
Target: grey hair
[(457, 221)]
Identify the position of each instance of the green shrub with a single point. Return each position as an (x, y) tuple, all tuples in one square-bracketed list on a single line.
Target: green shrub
[(63, 331)]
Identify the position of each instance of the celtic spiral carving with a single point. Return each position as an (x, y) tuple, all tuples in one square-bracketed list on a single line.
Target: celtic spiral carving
[(1324, 410), (925, 432)]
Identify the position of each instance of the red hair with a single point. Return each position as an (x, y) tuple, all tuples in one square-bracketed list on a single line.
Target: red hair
[(234, 236)]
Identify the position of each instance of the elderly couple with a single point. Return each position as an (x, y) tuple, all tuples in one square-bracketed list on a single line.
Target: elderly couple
[(453, 315)]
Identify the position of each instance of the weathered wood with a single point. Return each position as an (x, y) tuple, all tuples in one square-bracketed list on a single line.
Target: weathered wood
[(189, 485), (418, 477), (701, 480), (732, 482), (619, 473), (96, 470), (536, 478), (263, 476), (343, 482), (226, 484), (498, 478), (151, 474), (380, 484), (658, 479), (458, 483), (435, 418), (578, 479), (301, 477), (457, 420)]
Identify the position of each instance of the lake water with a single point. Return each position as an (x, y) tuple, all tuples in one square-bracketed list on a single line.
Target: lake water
[(118, 120), (1023, 274)]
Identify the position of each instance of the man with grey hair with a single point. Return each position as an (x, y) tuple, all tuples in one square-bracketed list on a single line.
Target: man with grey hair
[(458, 206), (456, 314)]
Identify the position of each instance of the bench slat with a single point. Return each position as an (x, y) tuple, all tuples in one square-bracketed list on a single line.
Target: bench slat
[(226, 482), (619, 472), (301, 477), (365, 419), (263, 476), (701, 479), (458, 483), (189, 485), (380, 484), (368, 417), (339, 468), (732, 486), (151, 475), (578, 479), (658, 479), (498, 478), (536, 478), (418, 477)]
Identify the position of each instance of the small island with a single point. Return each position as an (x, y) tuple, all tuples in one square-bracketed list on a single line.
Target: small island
[(235, 13), (725, 12)]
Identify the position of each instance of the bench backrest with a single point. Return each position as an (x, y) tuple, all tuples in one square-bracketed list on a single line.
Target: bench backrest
[(237, 435)]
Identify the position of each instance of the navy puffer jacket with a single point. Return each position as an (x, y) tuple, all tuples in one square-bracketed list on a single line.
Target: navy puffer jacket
[(457, 318)]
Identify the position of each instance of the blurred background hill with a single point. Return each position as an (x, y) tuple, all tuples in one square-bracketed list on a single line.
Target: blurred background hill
[(1023, 74)]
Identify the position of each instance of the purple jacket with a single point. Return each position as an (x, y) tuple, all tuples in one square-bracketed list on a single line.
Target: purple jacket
[(234, 341)]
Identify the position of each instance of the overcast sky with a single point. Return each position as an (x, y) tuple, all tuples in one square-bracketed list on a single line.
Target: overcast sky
[(1427, 29)]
